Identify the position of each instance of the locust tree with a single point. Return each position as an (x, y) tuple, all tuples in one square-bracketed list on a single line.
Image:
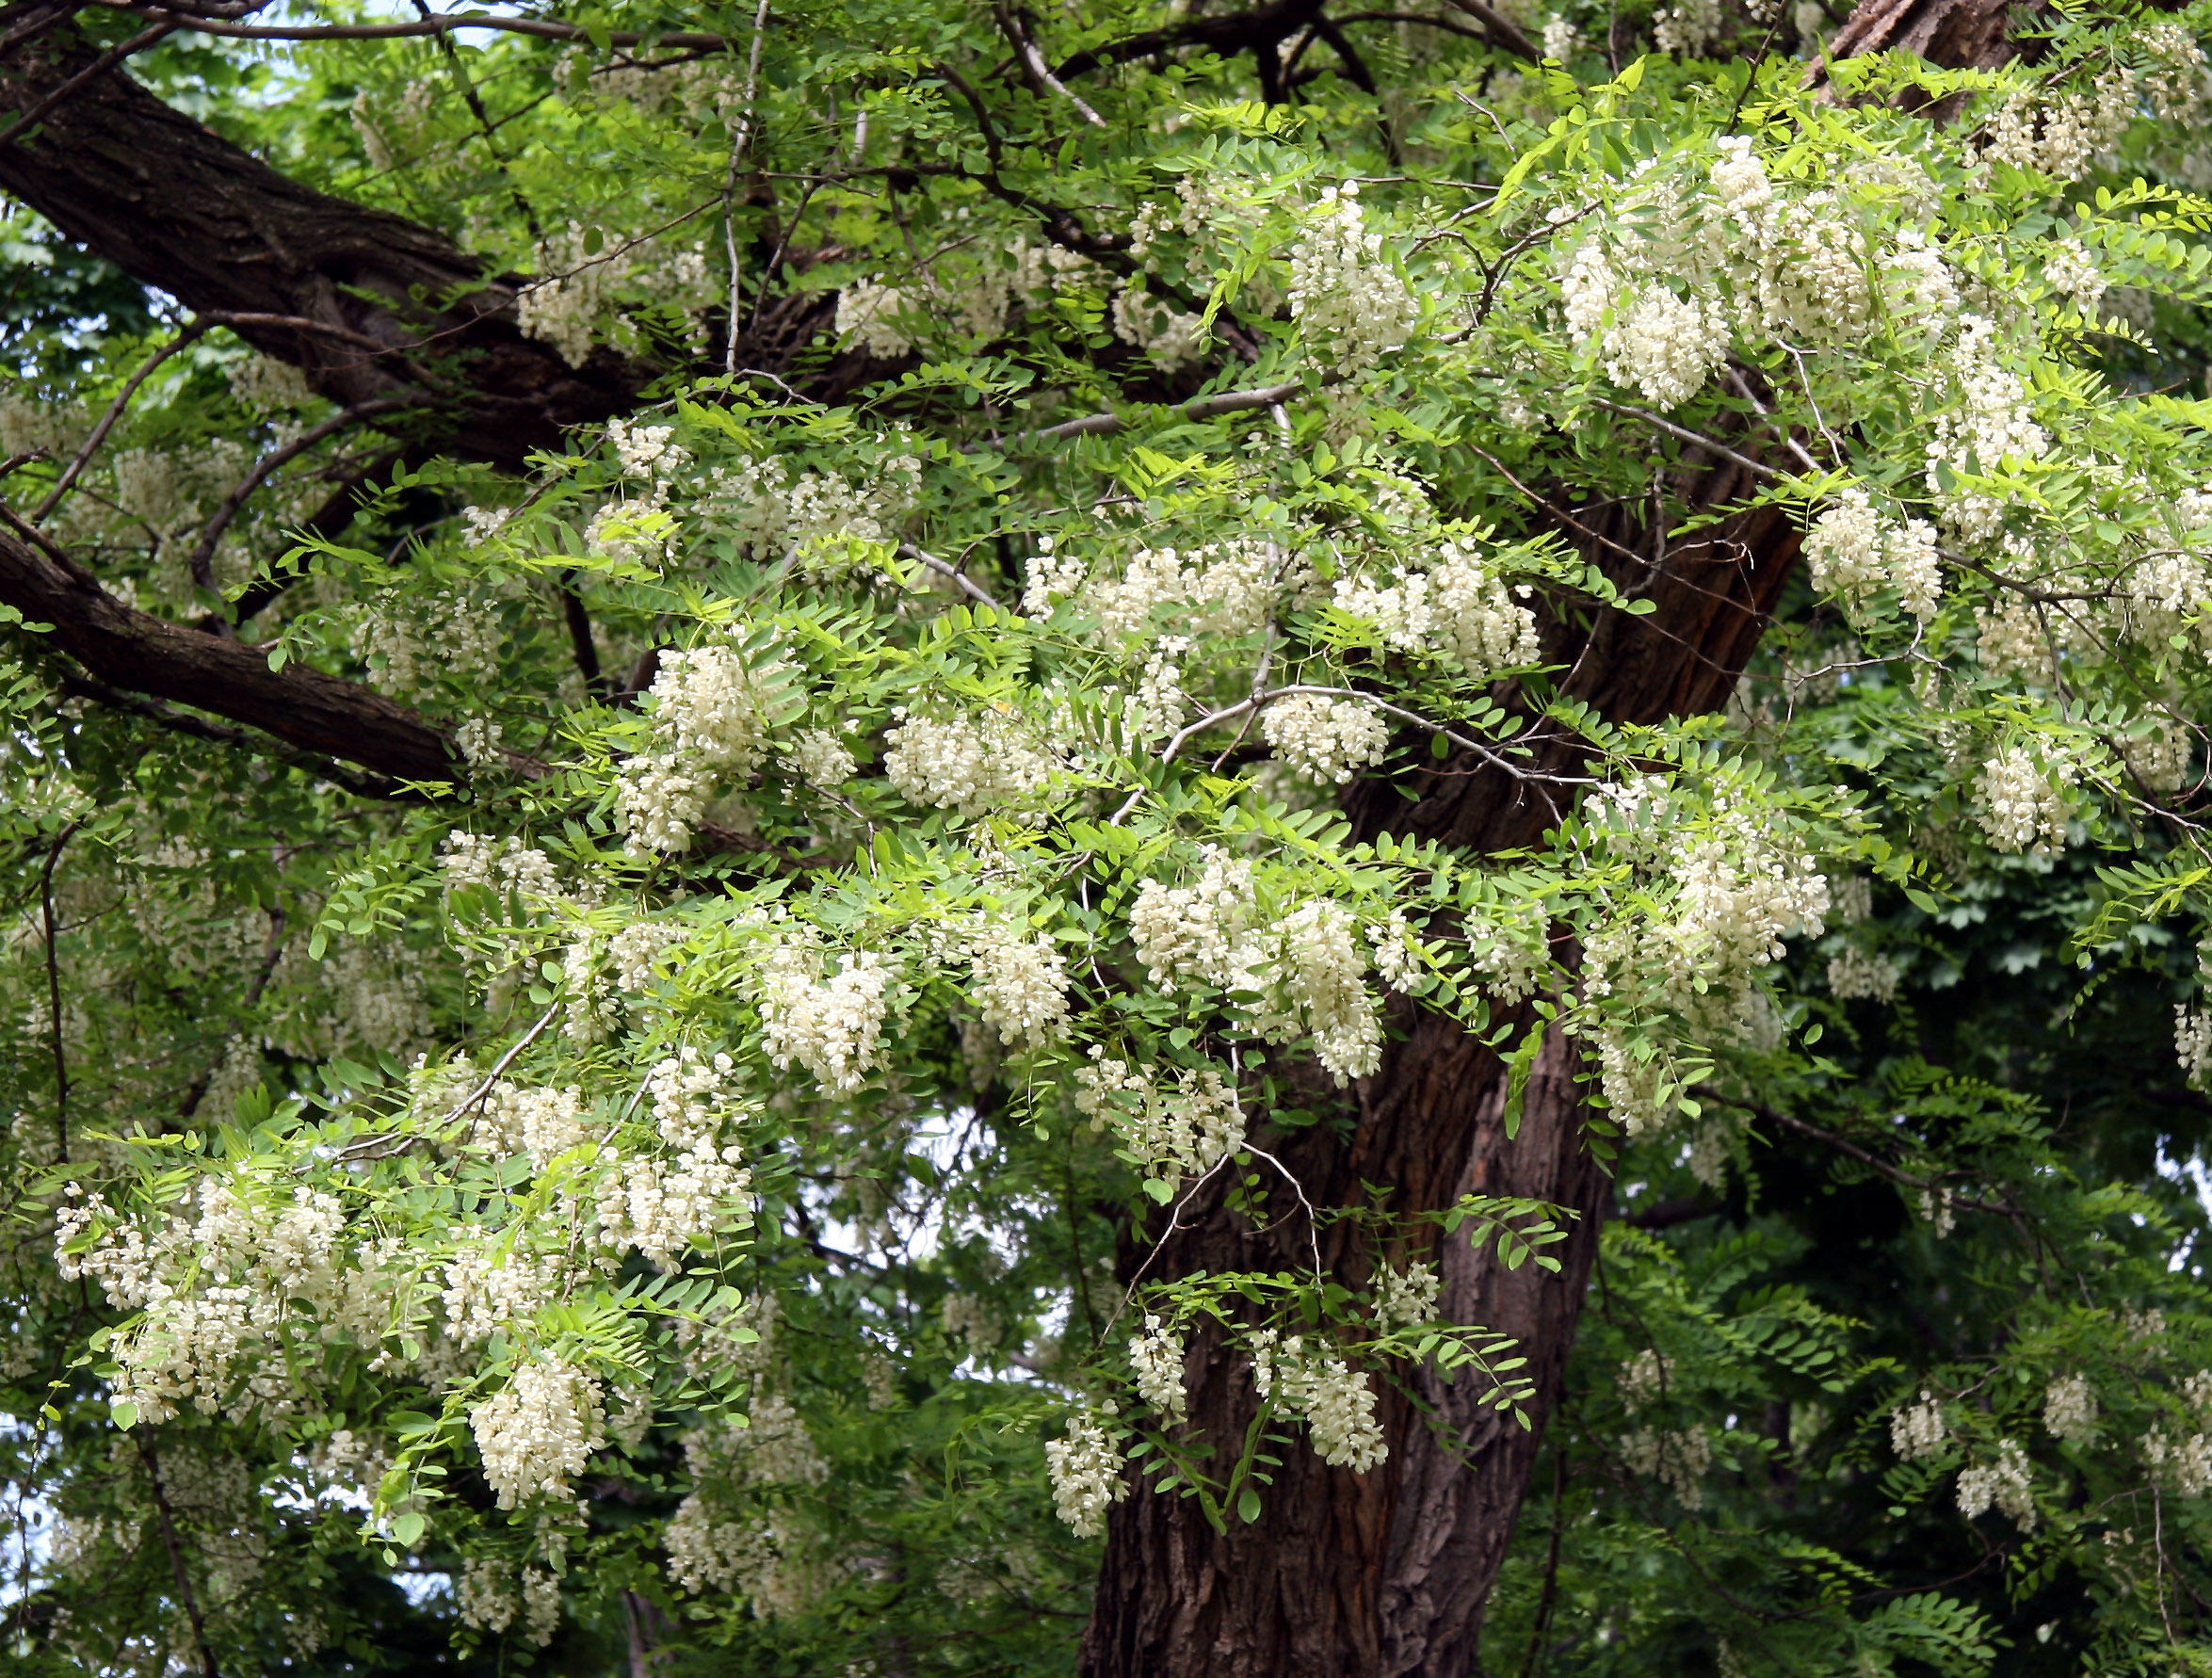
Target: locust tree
[(886, 837)]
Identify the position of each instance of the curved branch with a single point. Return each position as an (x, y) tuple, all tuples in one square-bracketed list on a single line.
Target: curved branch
[(543, 28), (203, 553)]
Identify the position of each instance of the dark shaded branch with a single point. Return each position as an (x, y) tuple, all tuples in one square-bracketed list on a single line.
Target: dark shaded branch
[(543, 28), (176, 1560), (138, 652), (54, 988), (200, 728), (91, 72)]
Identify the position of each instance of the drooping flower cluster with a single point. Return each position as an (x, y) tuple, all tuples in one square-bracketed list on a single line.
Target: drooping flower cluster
[(1172, 1131), (2024, 800), (1853, 553), (1457, 610), (1085, 1472), (1326, 740), (536, 1433), (1344, 290), (1155, 1359), (2008, 1483), (1020, 984), (973, 763), (1679, 1457), (2070, 1409), (1408, 1297), (1917, 1431), (1337, 1403), (833, 1026), (708, 729)]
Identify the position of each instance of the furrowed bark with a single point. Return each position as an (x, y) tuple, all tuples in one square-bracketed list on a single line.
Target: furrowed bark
[(142, 654), (398, 309)]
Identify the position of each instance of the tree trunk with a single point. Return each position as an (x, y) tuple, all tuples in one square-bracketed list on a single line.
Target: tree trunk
[(1385, 1574)]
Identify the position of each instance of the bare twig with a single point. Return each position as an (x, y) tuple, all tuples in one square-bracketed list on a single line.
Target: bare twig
[(737, 150), (544, 28), (53, 989), (1198, 408), (108, 420), (973, 590), (204, 554), (1041, 76), (1503, 30), (176, 1560), (1755, 468)]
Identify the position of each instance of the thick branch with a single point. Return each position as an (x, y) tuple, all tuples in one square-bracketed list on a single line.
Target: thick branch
[(372, 306), (142, 654)]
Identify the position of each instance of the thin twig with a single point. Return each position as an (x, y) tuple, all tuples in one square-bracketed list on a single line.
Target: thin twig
[(968, 586), (1041, 76), (202, 572), (54, 990), (108, 420), (1755, 467), (176, 1560), (737, 151), (543, 28)]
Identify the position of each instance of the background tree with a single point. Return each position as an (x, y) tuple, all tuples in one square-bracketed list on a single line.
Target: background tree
[(967, 724)]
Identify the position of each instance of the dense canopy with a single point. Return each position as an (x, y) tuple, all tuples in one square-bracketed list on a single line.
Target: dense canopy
[(917, 839)]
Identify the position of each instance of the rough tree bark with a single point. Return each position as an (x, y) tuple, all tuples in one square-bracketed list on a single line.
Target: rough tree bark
[(397, 309), (1380, 1573)]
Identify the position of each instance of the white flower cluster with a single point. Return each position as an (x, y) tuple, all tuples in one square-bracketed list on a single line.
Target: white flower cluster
[(469, 859), (1644, 1377), (1666, 346), (692, 1095), (2069, 272), (2057, 131), (1853, 973), (1343, 289), (708, 729), (2185, 1464), (1992, 423), (1155, 1359), (543, 1124), (1172, 1133), (1459, 610), (2192, 1044), (536, 1433), (1917, 1431), (1680, 1456), (2070, 1409), (1199, 931), (216, 1291), (2162, 760), (1408, 1297), (1020, 984), (2170, 594), (820, 759), (489, 1291), (566, 308), (1163, 333), (832, 1027), (2011, 639), (1853, 553), (1336, 1399), (706, 1553), (972, 764), (1324, 739), (2007, 1483), (660, 1206), (869, 310), (2024, 800), (1085, 1472), (1228, 587), (1323, 973)]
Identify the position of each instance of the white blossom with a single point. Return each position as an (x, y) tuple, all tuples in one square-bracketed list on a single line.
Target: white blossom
[(1324, 739), (1343, 289), (1917, 1431), (2007, 1483), (970, 764), (1021, 985), (1085, 1472), (833, 1026), (536, 1432), (1155, 1358), (2070, 1409), (2024, 801), (1407, 1297)]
